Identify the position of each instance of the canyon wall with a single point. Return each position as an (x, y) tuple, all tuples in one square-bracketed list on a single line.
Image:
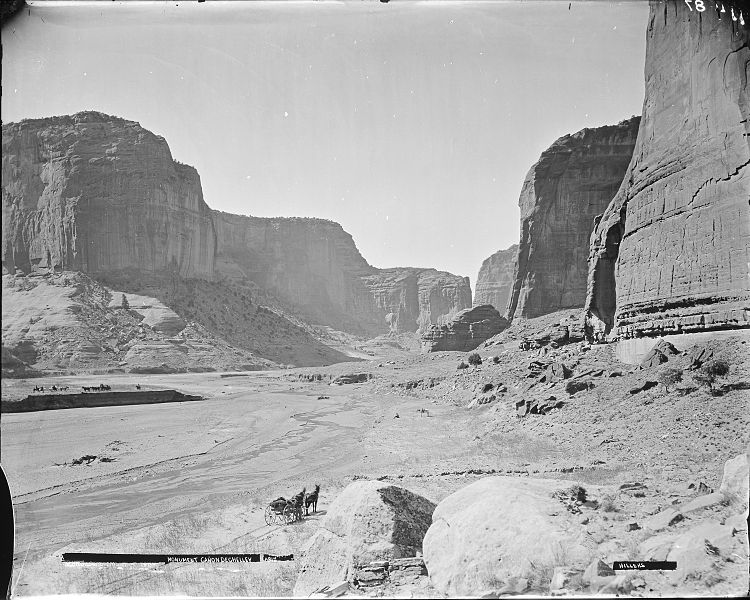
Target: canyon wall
[(495, 279), (314, 265), (96, 193), (100, 194), (414, 299), (671, 252), (572, 182)]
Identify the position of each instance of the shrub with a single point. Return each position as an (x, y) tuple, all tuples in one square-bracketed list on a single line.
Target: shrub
[(670, 377), (717, 368), (462, 365), (475, 359), (710, 372), (608, 503), (124, 302)]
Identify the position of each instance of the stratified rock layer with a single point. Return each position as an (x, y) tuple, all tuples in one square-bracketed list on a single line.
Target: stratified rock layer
[(573, 182), (95, 193), (314, 265), (465, 331), (495, 279), (671, 252)]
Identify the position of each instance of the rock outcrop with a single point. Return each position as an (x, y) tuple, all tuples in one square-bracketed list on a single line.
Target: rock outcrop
[(670, 253), (95, 193), (369, 521), (490, 534), (495, 279), (465, 331), (315, 266), (572, 182)]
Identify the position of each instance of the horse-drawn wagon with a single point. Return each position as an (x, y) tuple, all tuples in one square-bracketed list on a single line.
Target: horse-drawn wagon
[(283, 511)]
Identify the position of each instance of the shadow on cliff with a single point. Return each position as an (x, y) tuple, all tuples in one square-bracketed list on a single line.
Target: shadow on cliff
[(233, 313)]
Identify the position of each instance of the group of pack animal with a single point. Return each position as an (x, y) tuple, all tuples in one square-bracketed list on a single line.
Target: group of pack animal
[(96, 388), (54, 388)]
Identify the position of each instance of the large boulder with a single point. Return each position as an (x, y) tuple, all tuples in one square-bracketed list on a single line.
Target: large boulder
[(465, 331), (164, 320), (369, 521), (659, 354), (492, 532)]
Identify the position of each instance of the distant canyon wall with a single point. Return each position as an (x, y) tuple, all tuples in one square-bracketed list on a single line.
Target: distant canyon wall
[(572, 182), (98, 194), (495, 279), (671, 252), (95, 193), (314, 265)]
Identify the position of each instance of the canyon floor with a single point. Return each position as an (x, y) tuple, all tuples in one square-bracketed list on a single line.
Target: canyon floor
[(196, 476)]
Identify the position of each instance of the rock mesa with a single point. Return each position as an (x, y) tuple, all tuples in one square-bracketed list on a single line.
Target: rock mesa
[(94, 193), (465, 331)]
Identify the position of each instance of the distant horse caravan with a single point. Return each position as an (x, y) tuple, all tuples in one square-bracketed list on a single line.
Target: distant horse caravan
[(96, 388), (102, 387), (283, 511), (54, 388)]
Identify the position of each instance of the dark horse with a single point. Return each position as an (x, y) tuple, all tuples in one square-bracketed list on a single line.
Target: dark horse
[(312, 499)]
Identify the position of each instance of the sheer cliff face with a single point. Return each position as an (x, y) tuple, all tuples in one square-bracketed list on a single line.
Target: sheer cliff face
[(414, 299), (311, 264), (573, 182), (314, 265), (671, 251), (495, 279), (95, 193)]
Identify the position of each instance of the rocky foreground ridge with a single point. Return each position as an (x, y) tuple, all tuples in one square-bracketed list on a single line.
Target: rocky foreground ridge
[(508, 535), (670, 253), (101, 194), (495, 279), (572, 182)]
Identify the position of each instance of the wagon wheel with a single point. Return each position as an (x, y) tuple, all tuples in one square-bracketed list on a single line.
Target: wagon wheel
[(280, 518), (290, 513), (270, 516)]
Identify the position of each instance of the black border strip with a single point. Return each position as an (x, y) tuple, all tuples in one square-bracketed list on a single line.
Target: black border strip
[(107, 557)]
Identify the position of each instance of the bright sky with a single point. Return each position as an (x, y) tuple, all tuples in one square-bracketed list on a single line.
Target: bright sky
[(412, 124)]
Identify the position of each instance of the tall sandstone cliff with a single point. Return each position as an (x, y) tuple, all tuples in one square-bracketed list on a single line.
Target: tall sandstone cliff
[(96, 193), (572, 182), (495, 279), (672, 250), (314, 265), (99, 194)]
